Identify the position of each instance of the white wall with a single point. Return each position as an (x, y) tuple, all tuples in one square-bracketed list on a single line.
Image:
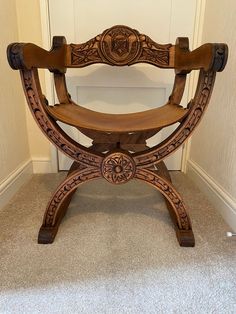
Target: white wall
[(23, 149), (213, 150), (15, 161)]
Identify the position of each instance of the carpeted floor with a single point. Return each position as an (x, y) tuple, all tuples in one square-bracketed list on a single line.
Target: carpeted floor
[(115, 252)]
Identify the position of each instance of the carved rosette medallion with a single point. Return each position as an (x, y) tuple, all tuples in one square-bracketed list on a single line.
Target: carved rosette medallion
[(120, 45), (118, 168)]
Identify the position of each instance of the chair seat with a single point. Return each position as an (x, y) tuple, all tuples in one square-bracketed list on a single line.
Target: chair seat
[(152, 119)]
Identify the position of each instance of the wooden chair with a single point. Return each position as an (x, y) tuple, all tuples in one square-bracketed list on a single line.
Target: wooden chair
[(119, 151)]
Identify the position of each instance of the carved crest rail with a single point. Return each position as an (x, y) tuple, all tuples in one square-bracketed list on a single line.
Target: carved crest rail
[(120, 45)]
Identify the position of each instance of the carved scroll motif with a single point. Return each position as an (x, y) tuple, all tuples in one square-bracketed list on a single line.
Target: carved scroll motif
[(65, 189), (153, 52), (14, 55), (120, 45), (86, 53), (221, 56)]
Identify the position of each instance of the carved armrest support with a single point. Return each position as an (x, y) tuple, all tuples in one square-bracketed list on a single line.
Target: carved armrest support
[(207, 57), (25, 56)]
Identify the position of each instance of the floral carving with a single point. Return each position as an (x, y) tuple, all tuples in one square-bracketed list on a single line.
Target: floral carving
[(118, 168)]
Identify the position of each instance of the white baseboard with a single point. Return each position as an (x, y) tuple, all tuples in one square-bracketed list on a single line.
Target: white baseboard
[(219, 197), (42, 165), (10, 185)]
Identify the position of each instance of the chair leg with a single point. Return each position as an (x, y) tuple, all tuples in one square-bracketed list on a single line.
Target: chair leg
[(60, 201), (160, 179)]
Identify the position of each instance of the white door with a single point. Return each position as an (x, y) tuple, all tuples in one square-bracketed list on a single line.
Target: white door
[(124, 89)]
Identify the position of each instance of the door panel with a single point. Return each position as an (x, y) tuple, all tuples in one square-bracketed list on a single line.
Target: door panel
[(127, 89)]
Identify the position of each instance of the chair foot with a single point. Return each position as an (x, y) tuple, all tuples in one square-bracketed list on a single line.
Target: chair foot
[(160, 179), (185, 238), (47, 234), (59, 203)]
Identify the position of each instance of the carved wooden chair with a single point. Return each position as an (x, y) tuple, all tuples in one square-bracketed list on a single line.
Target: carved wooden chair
[(119, 151)]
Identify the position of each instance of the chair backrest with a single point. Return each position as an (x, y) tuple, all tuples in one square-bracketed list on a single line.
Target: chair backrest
[(117, 46)]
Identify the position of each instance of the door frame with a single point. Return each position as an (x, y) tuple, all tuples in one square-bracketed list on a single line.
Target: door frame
[(49, 85), (197, 41), (46, 40)]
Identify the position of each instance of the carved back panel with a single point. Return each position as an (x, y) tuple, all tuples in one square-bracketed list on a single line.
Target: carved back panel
[(119, 45)]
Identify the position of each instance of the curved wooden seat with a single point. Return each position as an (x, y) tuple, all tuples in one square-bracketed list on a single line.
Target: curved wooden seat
[(152, 119)]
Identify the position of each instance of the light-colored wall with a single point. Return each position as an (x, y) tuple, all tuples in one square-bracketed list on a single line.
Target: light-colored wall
[(29, 26), (23, 149), (14, 148), (213, 148)]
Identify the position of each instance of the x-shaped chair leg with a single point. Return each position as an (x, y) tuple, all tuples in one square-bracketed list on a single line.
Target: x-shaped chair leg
[(116, 168), (174, 202)]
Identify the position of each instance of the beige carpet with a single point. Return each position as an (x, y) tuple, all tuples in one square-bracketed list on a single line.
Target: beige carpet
[(116, 252)]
